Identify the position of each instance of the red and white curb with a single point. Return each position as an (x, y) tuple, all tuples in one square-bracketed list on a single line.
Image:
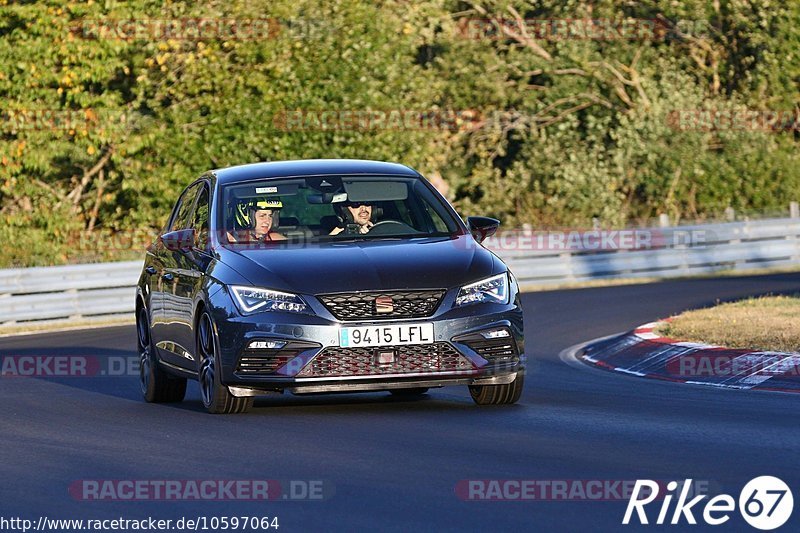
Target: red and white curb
[(643, 353)]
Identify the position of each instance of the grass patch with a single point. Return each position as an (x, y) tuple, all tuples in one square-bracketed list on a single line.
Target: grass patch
[(769, 323)]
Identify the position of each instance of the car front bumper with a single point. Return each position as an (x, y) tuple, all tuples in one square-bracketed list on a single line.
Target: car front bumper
[(455, 359)]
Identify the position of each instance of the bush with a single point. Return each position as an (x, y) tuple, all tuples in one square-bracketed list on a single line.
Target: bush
[(101, 134)]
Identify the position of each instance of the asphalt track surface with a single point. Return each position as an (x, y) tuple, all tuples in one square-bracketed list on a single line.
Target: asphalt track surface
[(394, 463)]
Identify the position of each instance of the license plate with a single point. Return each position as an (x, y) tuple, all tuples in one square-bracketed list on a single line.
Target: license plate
[(388, 335)]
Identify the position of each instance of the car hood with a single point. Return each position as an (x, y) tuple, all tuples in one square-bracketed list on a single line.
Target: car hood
[(364, 265)]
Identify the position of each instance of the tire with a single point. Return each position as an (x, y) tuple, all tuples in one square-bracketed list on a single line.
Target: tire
[(498, 394), (409, 393), (216, 397), (157, 385)]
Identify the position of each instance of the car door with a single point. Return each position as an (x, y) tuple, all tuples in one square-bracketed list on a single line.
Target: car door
[(166, 332), (189, 271)]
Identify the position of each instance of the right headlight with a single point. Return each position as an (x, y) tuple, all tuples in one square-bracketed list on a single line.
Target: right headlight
[(489, 290), (252, 299)]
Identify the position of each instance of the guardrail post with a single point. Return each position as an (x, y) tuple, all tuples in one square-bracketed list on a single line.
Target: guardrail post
[(680, 248), (796, 256), (796, 247), (794, 212), (625, 271), (76, 306), (744, 233), (567, 258), (730, 214), (663, 220)]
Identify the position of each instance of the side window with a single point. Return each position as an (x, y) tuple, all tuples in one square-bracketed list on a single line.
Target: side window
[(200, 219), (431, 211), (402, 212), (183, 210), (438, 223)]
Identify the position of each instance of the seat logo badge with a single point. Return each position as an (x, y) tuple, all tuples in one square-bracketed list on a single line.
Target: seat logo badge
[(384, 305)]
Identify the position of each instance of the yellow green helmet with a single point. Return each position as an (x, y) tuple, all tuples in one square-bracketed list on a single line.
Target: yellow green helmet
[(246, 208)]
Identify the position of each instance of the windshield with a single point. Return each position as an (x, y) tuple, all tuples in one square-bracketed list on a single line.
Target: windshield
[(332, 208)]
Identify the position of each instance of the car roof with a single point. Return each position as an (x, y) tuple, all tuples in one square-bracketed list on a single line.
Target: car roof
[(310, 167)]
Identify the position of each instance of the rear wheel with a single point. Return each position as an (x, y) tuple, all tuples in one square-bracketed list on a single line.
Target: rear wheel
[(409, 393), (157, 385), (216, 397), (498, 394)]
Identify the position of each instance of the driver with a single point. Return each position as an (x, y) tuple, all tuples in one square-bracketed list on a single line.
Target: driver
[(354, 217), (257, 218)]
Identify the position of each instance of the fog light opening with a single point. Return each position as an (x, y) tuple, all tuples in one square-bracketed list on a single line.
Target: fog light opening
[(496, 334), (266, 345)]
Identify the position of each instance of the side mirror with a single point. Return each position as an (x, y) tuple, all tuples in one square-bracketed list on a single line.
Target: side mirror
[(181, 240), (482, 227)]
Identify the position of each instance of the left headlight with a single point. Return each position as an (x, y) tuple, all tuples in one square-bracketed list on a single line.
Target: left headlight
[(489, 290), (251, 299)]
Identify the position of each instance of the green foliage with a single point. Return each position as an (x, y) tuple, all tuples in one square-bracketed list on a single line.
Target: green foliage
[(99, 135)]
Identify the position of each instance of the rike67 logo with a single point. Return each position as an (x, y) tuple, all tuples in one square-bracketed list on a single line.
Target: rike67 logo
[(765, 503)]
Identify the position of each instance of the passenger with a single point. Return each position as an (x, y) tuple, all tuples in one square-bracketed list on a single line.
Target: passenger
[(354, 217), (258, 218)]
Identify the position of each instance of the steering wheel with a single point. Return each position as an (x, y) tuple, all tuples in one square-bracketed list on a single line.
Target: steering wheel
[(391, 227)]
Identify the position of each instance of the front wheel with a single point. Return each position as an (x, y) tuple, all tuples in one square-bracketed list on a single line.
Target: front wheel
[(157, 386), (498, 394), (216, 397)]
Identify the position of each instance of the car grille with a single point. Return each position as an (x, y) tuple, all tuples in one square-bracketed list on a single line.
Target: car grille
[(266, 361), (493, 350), (408, 359), (362, 306)]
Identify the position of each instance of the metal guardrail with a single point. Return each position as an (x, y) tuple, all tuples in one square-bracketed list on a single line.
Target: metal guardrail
[(43, 294), (727, 246), (68, 292)]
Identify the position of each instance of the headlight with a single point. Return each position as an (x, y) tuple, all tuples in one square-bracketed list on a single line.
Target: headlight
[(252, 299), (489, 290)]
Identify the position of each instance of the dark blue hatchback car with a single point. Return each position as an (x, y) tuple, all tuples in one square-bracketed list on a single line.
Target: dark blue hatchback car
[(324, 276)]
